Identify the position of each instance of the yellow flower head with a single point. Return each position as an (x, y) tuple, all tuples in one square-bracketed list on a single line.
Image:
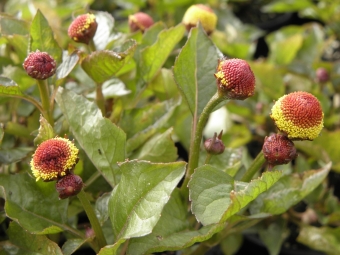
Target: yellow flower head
[(299, 115), (83, 28), (54, 158)]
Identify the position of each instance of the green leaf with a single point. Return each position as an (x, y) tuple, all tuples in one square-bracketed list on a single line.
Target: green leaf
[(45, 131), (43, 38), (163, 85), (213, 194), (287, 6), (194, 70), (141, 124), (288, 191), (153, 57), (231, 244), (20, 45), (12, 26), (8, 156), (9, 88), (31, 244), (19, 76), (102, 65), (103, 142), (102, 208), (159, 148), (69, 62), (144, 189), (71, 245), (34, 205), (324, 239)]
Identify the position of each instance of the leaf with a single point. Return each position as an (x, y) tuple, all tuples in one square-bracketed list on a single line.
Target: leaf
[(69, 62), (31, 244), (12, 26), (288, 191), (163, 85), (144, 189), (102, 208), (19, 76), (43, 38), (153, 57), (20, 45), (213, 194), (46, 131), (34, 205), (194, 70), (71, 245), (159, 148), (9, 88), (104, 30), (103, 142), (287, 6), (102, 65), (324, 239), (231, 244), (8, 156)]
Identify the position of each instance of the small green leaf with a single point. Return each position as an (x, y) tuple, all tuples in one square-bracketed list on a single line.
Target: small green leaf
[(69, 62), (31, 244), (8, 156), (163, 85), (34, 205), (43, 38), (231, 244), (12, 26), (194, 70), (102, 65), (71, 245), (9, 88), (153, 57), (144, 189), (288, 191), (46, 131), (19, 76), (324, 239), (103, 142), (102, 208), (159, 148), (20, 45)]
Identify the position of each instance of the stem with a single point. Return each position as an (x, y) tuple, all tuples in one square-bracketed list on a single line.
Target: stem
[(92, 178), (197, 138), (92, 46), (124, 249), (93, 219), (100, 100), (207, 159), (45, 100), (254, 167)]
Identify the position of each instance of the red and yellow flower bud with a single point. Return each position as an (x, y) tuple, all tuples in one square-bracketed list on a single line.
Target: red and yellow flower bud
[(235, 79), (53, 159), (200, 13), (83, 28), (278, 150), (299, 115), (39, 65), (140, 21), (69, 185)]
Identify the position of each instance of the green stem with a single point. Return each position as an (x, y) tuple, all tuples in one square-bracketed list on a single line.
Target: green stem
[(254, 167), (93, 219), (92, 178), (92, 46), (197, 138), (207, 159), (100, 100), (45, 100)]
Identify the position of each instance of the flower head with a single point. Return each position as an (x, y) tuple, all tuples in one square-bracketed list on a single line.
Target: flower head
[(214, 145), (54, 158), (298, 115), (69, 185), (200, 13), (322, 75), (278, 150), (235, 79), (140, 21), (83, 28), (39, 65)]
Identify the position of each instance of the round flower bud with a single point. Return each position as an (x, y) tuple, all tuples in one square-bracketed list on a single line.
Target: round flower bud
[(54, 158), (140, 21), (214, 145), (235, 79), (83, 28), (298, 115), (278, 150), (322, 75), (200, 13), (69, 185), (39, 65)]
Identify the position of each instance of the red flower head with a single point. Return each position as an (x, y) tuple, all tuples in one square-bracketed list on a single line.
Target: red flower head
[(39, 65), (69, 185), (200, 13), (140, 21), (298, 115), (214, 145), (278, 150), (54, 158), (235, 79), (83, 28)]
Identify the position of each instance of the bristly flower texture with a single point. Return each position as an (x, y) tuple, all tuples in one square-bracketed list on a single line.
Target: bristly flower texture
[(54, 158), (83, 28), (69, 185), (235, 79), (299, 115), (39, 65)]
